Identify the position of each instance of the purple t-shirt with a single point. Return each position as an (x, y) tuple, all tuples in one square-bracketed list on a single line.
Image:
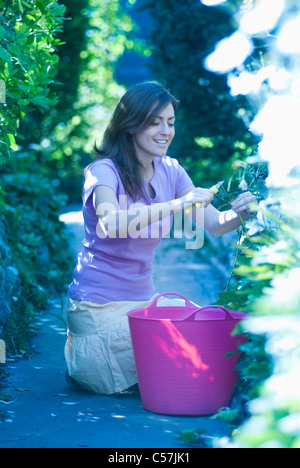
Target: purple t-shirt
[(120, 269)]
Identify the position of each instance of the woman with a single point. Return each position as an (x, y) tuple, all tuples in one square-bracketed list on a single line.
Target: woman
[(129, 197)]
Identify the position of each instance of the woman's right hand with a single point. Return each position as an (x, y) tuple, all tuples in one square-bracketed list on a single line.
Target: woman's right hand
[(198, 195)]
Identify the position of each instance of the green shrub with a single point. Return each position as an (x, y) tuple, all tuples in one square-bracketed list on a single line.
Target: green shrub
[(34, 257), (266, 277), (210, 133), (39, 246), (94, 39), (28, 63)]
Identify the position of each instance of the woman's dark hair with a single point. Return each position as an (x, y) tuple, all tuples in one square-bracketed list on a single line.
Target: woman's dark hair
[(135, 111)]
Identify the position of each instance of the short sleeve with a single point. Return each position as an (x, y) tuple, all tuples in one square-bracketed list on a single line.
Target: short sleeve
[(99, 173), (183, 179)]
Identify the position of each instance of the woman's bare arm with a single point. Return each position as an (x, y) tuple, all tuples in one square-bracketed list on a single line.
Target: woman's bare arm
[(220, 222), (113, 220)]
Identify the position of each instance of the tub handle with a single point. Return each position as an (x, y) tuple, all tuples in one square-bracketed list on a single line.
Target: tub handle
[(228, 316), (187, 302), (192, 308)]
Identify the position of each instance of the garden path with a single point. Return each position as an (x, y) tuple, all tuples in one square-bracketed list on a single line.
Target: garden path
[(45, 412)]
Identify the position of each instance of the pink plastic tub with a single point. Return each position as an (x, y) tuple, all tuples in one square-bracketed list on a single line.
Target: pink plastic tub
[(179, 356)]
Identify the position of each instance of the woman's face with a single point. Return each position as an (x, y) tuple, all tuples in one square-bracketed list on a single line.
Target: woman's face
[(156, 138)]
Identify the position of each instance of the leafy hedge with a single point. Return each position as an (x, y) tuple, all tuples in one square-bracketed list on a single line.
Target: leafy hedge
[(266, 275), (39, 256), (57, 88), (94, 37), (34, 259), (210, 133), (28, 62)]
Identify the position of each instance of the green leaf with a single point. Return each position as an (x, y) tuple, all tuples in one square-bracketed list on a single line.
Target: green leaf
[(14, 49), (13, 144), (226, 415), (41, 101), (3, 33), (5, 56), (5, 397)]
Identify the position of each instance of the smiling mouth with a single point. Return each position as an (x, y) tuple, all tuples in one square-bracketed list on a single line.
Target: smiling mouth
[(161, 142)]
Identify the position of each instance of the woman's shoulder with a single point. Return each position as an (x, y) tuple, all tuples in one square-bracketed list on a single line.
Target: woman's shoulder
[(100, 165), (168, 163), (176, 174), (100, 172)]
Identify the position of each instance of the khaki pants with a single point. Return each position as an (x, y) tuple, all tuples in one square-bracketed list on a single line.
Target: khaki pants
[(98, 350)]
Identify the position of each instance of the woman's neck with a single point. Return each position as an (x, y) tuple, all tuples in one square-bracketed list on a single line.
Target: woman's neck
[(147, 170)]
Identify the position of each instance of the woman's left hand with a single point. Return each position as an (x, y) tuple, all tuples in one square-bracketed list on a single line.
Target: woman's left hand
[(244, 203)]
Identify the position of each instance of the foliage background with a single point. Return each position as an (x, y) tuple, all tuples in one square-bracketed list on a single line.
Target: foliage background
[(265, 276), (265, 280), (30, 265), (211, 133), (58, 64)]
